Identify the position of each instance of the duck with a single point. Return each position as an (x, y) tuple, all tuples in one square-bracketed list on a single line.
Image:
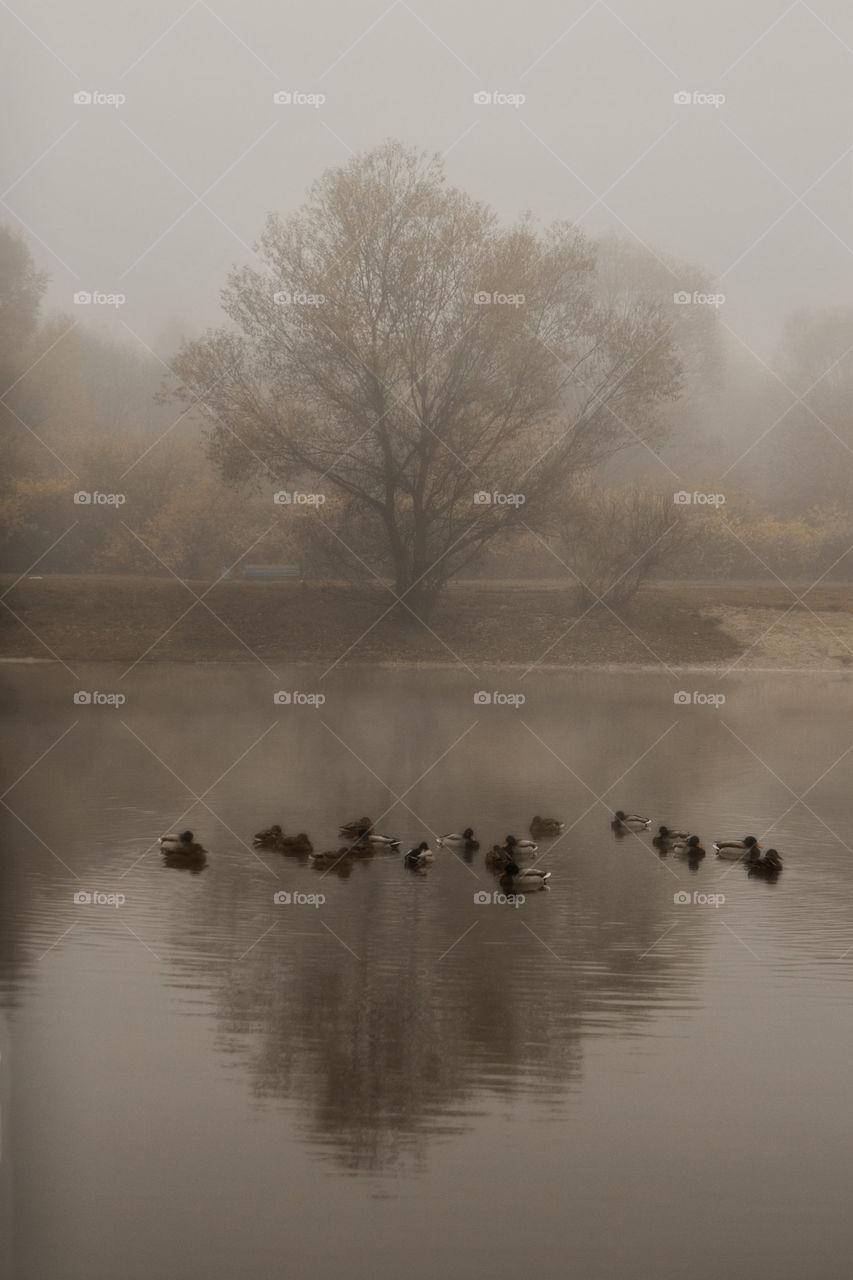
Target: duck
[(270, 838), (526, 878), (185, 844), (514, 846), (546, 826), (464, 841), (734, 849), (351, 830), (367, 837), (419, 855), (682, 842), (692, 847), (629, 821), (769, 865), (330, 857), (179, 860), (666, 839), (295, 844), (497, 856)]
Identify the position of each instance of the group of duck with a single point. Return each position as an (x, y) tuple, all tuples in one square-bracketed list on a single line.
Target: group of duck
[(747, 849), (363, 838), (504, 859)]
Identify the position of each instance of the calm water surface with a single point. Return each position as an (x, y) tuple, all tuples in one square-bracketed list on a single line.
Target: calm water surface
[(601, 1082)]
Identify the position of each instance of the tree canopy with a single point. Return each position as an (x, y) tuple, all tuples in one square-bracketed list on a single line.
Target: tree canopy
[(405, 351)]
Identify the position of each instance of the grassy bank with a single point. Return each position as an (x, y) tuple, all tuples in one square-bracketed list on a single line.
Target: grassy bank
[(122, 618)]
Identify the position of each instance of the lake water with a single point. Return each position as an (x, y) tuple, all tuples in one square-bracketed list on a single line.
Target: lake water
[(401, 1080)]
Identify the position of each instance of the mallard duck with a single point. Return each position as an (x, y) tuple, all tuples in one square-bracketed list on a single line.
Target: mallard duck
[(185, 843), (419, 855), (681, 842), (546, 826), (630, 821), (373, 840), (269, 839), (194, 863), (330, 857), (524, 878), (351, 830), (691, 846), (734, 849), (295, 844), (465, 841), (497, 856), (769, 865), (514, 846), (666, 839)]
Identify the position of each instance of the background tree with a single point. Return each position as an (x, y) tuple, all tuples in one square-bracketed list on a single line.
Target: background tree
[(614, 538), (809, 453), (405, 393)]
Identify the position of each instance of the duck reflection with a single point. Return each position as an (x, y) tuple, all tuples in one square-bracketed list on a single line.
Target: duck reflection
[(178, 860), (394, 992)]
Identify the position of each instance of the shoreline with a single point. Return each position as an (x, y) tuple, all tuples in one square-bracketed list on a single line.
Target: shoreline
[(678, 627), (720, 670)]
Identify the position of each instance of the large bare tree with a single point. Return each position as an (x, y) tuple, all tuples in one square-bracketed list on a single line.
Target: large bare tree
[(401, 349)]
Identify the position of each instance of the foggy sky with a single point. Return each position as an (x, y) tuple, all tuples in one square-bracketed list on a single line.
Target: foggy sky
[(104, 196)]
